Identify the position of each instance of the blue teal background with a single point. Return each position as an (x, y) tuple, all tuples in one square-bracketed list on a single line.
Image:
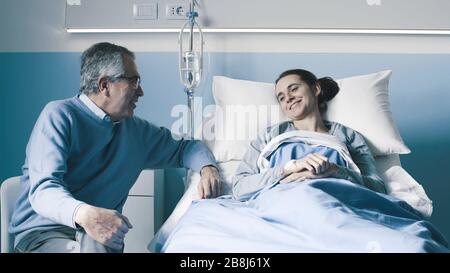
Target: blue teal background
[(420, 100)]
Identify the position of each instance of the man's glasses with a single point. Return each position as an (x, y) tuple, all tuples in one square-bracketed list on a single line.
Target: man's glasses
[(134, 81)]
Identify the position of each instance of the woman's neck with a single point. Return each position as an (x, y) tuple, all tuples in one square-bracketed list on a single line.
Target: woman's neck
[(311, 123)]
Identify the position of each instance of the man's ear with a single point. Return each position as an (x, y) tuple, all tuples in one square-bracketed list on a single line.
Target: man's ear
[(103, 86)]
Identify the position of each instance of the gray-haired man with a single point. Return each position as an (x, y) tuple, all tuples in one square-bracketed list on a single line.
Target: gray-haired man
[(86, 152)]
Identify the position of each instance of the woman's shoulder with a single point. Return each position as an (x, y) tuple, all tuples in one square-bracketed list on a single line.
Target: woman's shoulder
[(348, 135), (278, 128), (274, 130), (342, 131)]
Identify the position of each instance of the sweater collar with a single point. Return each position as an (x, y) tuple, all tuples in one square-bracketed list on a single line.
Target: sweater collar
[(95, 109)]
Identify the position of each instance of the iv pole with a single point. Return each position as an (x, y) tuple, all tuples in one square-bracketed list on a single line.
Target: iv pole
[(191, 62)]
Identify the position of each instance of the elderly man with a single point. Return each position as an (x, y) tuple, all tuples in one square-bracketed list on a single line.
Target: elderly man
[(86, 152)]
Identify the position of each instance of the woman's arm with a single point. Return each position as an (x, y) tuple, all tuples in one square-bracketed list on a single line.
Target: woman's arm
[(248, 179), (363, 158)]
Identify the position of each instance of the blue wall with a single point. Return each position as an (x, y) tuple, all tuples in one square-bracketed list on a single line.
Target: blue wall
[(420, 98)]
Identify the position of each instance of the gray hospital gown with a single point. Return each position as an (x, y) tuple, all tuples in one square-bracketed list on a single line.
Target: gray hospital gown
[(249, 180)]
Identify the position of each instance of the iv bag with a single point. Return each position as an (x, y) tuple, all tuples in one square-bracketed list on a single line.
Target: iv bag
[(190, 69)]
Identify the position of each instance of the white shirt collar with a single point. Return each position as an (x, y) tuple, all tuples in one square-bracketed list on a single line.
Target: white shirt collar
[(94, 108)]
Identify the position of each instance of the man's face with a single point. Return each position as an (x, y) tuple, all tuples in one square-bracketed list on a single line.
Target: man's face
[(125, 92)]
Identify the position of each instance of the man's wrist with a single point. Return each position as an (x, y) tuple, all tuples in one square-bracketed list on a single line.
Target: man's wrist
[(208, 167), (79, 215)]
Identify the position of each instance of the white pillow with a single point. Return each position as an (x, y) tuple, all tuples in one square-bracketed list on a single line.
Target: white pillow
[(404, 187), (399, 183), (243, 110), (361, 104)]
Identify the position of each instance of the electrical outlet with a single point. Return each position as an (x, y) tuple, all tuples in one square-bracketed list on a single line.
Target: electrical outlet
[(176, 11)]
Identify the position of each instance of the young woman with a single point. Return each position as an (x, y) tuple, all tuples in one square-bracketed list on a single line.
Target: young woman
[(303, 98)]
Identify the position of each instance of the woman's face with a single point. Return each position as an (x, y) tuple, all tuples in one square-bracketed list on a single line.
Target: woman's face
[(296, 98)]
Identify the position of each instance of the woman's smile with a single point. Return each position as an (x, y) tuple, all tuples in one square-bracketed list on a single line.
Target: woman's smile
[(295, 103)]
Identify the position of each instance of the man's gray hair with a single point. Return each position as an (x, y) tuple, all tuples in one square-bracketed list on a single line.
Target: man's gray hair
[(101, 60)]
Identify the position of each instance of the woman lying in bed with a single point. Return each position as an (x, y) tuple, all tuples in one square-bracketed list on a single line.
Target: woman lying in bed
[(302, 98), (306, 185)]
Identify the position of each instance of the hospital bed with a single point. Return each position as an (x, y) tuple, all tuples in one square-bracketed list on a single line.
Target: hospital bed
[(362, 104)]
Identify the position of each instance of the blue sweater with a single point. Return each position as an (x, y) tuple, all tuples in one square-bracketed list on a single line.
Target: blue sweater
[(75, 157)]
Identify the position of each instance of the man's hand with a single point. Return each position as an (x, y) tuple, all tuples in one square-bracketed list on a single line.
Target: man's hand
[(106, 226), (209, 185)]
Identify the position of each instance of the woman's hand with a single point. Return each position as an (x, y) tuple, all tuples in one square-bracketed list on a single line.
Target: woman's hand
[(310, 167)]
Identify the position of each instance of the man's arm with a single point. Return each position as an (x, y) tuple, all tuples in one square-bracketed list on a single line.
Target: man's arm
[(47, 153), (164, 151), (167, 152)]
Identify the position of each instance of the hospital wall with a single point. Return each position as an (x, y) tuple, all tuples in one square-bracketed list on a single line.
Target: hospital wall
[(39, 62)]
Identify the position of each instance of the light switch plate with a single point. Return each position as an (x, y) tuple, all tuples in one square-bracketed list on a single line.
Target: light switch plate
[(74, 2), (147, 11)]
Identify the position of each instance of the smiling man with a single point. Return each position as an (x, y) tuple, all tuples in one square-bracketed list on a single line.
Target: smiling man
[(86, 152)]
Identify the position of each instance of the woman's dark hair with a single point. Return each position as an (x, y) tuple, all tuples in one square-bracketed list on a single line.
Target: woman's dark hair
[(328, 86)]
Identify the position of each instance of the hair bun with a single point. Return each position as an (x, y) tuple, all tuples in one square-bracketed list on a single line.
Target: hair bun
[(329, 88)]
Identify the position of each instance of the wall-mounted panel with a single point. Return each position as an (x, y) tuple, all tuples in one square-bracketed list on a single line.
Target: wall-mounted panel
[(290, 14)]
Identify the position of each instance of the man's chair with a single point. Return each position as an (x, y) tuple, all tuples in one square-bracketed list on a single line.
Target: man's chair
[(9, 192)]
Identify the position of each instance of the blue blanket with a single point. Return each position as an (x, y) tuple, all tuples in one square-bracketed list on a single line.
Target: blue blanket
[(321, 215)]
